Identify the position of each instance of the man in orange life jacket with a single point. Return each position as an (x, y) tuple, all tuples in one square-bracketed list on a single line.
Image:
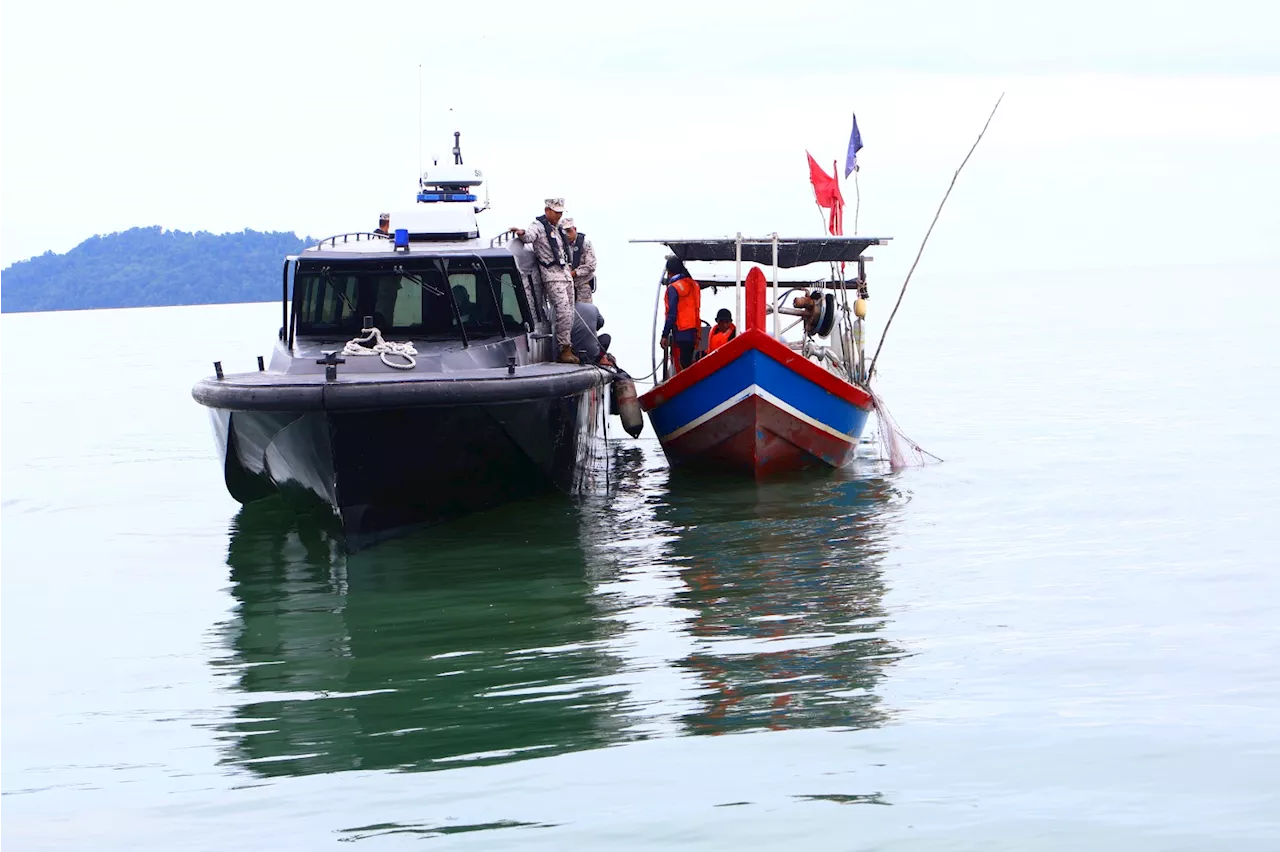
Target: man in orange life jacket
[(684, 313), (724, 330)]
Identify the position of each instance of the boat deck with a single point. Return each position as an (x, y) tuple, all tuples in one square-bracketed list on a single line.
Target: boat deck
[(268, 390)]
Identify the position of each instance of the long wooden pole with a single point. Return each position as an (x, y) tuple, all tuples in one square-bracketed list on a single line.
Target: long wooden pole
[(872, 369)]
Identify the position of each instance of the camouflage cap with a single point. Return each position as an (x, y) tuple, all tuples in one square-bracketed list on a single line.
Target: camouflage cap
[(567, 223), (556, 204)]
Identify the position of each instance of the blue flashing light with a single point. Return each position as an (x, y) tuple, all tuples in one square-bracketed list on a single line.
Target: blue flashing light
[(402, 238), (446, 196)]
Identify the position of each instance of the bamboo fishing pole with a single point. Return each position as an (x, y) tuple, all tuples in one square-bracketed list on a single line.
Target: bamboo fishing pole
[(871, 370)]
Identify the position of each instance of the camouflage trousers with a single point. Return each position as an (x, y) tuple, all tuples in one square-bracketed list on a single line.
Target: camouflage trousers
[(560, 290), (584, 289)]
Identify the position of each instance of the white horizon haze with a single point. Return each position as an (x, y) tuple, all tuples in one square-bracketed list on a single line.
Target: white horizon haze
[(1130, 134)]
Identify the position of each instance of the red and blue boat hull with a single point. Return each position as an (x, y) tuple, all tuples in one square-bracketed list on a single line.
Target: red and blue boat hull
[(754, 406)]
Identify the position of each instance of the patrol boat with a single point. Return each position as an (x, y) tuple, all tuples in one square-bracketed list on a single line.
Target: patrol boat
[(413, 378)]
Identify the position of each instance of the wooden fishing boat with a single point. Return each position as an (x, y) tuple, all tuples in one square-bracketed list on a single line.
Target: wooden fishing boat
[(774, 399)]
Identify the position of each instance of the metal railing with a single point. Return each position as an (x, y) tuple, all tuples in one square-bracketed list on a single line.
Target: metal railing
[(354, 236)]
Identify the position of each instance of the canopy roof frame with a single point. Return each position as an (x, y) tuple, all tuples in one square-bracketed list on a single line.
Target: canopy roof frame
[(776, 253), (792, 252)]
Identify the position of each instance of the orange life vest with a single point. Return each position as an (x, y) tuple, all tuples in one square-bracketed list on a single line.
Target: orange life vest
[(720, 338), (689, 307)]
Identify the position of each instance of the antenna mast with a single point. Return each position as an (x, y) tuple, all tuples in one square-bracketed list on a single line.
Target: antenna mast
[(419, 121)]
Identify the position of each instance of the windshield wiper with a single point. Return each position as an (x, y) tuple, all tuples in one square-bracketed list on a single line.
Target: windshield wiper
[(430, 288), (328, 279)]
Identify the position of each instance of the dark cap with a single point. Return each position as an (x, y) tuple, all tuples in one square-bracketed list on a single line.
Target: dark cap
[(724, 315)]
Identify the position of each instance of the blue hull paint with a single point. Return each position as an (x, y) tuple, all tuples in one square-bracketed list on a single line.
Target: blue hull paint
[(753, 367)]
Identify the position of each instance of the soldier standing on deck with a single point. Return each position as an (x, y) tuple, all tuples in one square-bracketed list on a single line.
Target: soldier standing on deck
[(583, 260), (551, 249)]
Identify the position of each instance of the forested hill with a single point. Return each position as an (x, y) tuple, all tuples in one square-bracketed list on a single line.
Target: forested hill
[(145, 267)]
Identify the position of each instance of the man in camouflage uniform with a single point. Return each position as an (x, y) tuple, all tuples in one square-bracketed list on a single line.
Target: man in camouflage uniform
[(550, 248), (582, 257)]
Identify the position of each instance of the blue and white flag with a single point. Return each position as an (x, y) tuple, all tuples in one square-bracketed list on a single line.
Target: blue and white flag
[(855, 144)]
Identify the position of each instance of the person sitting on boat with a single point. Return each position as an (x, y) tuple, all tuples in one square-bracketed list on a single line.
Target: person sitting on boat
[(466, 307), (724, 330), (583, 261), (551, 249), (587, 345), (384, 224), (683, 325)]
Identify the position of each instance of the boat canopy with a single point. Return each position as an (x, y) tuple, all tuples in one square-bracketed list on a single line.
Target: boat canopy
[(807, 283), (792, 252)]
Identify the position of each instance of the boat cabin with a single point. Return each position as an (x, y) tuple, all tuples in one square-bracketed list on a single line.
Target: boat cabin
[(430, 281)]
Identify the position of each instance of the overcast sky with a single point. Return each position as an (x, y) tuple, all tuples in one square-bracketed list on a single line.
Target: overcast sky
[(1130, 134)]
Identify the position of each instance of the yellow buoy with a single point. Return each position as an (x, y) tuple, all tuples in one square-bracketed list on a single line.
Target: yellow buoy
[(860, 308)]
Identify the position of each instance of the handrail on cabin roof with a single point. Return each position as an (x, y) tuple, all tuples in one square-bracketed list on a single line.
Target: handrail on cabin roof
[(367, 235)]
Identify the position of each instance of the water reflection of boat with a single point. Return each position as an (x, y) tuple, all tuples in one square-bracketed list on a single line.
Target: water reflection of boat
[(547, 627), (479, 648), (786, 584)]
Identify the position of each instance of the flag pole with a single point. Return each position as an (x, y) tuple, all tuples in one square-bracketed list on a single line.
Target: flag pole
[(835, 170), (839, 213), (857, 194)]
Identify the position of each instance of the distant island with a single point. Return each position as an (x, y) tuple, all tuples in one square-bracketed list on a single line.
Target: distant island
[(151, 267)]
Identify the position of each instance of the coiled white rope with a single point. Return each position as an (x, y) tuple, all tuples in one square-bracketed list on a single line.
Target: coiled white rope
[(382, 348)]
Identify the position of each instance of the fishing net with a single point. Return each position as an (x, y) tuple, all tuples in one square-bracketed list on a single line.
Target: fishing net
[(899, 450)]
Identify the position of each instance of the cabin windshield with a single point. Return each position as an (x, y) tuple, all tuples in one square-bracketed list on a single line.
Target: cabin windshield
[(422, 298)]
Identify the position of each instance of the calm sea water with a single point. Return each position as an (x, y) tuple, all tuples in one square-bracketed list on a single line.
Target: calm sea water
[(1066, 636)]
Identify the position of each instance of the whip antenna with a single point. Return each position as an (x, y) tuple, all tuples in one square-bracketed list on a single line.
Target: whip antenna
[(419, 120)]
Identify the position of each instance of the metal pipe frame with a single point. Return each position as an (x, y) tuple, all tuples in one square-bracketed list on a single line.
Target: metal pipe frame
[(777, 334), (284, 300), (737, 274)]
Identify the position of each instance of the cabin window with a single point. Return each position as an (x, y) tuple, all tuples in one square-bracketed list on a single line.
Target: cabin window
[(509, 286), (410, 299), (406, 307), (474, 297), (331, 301)]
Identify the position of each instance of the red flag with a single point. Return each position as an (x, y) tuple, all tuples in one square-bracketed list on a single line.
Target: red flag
[(826, 190)]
